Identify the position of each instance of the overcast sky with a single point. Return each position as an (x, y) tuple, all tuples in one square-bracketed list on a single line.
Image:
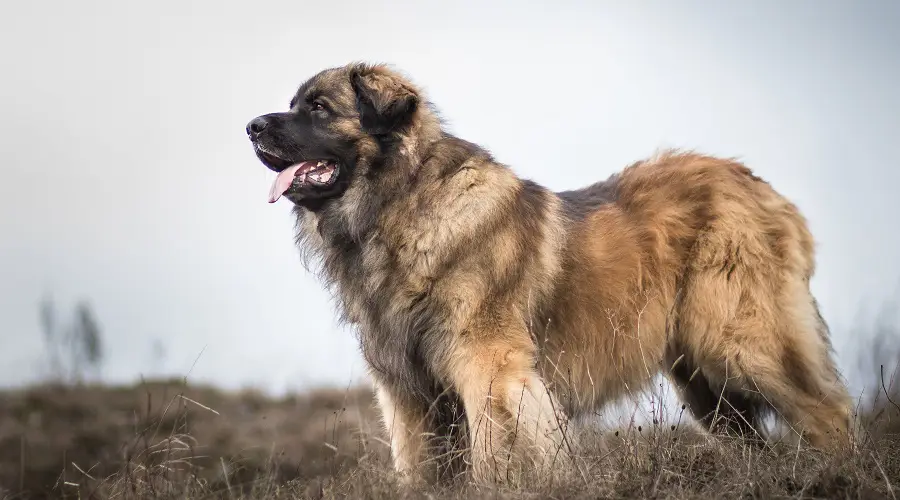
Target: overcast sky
[(126, 176)]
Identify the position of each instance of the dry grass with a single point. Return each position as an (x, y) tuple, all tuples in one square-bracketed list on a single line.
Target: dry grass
[(165, 440), (157, 439), (169, 439)]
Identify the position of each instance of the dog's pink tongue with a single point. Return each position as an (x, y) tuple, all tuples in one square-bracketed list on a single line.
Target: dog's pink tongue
[(283, 181)]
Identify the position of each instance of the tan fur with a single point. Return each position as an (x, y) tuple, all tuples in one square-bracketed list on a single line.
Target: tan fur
[(534, 307), (737, 289), (745, 307)]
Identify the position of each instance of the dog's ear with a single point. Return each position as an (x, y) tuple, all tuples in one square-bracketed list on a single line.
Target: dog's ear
[(385, 101)]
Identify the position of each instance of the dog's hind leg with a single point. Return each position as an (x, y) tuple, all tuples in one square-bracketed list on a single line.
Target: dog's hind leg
[(757, 331), (718, 408), (797, 376)]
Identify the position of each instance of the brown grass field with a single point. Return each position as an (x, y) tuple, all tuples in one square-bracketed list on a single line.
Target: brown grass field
[(169, 439)]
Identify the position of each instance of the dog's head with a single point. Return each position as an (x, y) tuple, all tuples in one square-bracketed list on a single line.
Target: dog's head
[(339, 122)]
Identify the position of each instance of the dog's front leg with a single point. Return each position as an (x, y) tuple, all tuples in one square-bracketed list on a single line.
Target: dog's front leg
[(405, 422), (515, 426)]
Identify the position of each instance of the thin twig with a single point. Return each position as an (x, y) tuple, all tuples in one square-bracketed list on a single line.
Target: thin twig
[(225, 473), (886, 394), (887, 481), (22, 463), (83, 472), (796, 456), (189, 400)]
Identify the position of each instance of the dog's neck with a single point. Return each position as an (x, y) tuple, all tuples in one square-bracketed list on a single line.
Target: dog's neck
[(414, 144)]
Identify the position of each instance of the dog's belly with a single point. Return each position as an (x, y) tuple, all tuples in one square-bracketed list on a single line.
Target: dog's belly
[(604, 333)]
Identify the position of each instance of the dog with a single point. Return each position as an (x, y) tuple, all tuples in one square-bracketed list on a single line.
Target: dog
[(491, 311)]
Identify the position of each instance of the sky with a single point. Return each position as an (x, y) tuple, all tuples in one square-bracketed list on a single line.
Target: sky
[(126, 177)]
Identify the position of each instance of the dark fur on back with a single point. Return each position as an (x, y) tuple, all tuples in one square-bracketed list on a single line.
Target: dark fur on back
[(578, 203)]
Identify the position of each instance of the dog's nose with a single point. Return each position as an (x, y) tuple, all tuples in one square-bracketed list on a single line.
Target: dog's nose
[(256, 126)]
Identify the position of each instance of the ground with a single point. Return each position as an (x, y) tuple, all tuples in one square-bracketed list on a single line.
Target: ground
[(167, 439)]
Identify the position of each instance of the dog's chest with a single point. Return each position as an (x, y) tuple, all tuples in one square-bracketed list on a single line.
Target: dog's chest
[(406, 288), (396, 314)]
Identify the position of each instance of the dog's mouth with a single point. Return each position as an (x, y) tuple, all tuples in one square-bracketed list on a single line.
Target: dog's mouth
[(313, 173)]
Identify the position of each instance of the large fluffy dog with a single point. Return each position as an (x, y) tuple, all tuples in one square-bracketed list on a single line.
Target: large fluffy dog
[(475, 289)]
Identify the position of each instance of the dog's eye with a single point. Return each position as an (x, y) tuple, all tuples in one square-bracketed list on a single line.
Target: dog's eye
[(318, 106)]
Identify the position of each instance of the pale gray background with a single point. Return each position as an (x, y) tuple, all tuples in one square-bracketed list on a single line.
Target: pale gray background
[(126, 176)]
